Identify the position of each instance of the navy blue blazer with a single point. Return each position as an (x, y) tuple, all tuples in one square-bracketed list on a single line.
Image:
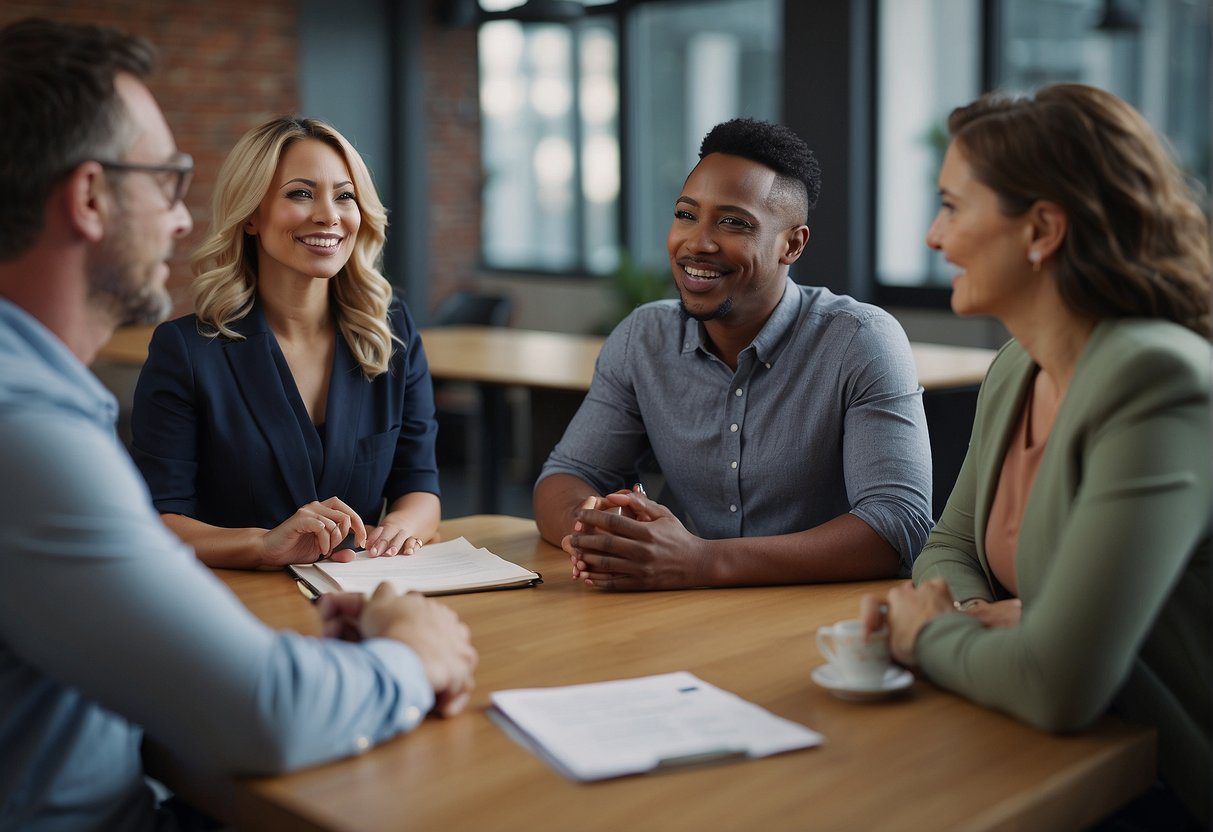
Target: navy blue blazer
[(221, 433)]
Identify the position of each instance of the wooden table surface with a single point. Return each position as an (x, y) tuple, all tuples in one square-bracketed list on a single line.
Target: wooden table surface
[(923, 760), (558, 361)]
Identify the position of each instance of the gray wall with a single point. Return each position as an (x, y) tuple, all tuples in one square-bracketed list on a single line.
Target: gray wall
[(361, 73)]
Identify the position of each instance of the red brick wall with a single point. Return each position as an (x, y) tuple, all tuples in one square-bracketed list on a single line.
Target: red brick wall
[(226, 65), (452, 105)]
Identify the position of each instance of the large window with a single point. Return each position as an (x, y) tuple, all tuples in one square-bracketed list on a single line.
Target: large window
[(573, 139), (1152, 53)]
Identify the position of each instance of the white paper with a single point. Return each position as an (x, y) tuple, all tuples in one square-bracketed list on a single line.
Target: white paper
[(437, 567), (609, 729)]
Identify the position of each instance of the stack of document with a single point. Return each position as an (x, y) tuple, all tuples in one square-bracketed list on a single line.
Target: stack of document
[(436, 569), (630, 726)]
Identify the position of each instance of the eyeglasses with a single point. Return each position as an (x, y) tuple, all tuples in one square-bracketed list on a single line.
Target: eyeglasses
[(174, 176)]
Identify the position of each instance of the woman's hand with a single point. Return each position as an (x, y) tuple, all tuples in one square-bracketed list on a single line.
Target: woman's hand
[(311, 533), (392, 537), (909, 610), (995, 613)]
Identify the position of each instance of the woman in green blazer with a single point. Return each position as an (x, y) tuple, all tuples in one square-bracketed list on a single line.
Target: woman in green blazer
[(1069, 573)]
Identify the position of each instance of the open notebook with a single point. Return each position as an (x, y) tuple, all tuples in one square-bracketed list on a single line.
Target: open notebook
[(438, 569)]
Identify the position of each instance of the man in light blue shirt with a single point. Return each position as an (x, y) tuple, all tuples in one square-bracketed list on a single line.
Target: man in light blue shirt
[(787, 420), (109, 627)]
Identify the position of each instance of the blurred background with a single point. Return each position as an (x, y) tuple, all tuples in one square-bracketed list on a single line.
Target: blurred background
[(532, 150)]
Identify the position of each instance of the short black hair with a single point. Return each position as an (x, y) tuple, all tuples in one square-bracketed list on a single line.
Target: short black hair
[(60, 108), (775, 146)]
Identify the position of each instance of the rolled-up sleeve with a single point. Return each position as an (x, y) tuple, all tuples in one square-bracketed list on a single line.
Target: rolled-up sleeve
[(886, 448)]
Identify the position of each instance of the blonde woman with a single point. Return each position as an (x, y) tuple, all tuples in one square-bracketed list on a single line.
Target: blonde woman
[(1069, 573), (295, 406)]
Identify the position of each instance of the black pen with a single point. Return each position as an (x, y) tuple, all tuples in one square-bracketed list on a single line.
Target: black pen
[(306, 591)]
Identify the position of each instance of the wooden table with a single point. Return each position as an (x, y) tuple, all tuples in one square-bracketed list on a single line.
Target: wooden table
[(924, 760), (559, 361)]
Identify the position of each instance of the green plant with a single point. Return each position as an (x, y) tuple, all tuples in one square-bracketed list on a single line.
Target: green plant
[(632, 285)]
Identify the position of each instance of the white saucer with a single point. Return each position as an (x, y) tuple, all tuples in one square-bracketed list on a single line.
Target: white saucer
[(895, 679)]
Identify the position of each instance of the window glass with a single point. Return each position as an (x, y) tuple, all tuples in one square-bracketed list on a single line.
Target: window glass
[(549, 145), (511, 5), (692, 65), (929, 63), (1153, 53), (551, 102)]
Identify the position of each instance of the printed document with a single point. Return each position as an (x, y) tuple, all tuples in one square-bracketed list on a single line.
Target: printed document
[(629, 726)]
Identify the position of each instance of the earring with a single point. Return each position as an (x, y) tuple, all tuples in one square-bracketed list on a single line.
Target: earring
[(1034, 259)]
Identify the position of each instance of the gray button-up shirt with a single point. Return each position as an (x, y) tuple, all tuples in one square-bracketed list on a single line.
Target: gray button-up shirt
[(823, 416)]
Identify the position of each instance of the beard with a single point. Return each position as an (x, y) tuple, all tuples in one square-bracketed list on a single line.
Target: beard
[(715, 315), (122, 285)]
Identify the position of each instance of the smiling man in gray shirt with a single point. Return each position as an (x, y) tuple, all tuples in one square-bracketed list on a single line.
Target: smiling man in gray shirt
[(787, 420)]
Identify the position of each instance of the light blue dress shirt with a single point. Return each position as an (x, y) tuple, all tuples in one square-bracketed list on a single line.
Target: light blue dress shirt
[(109, 627), (823, 416)]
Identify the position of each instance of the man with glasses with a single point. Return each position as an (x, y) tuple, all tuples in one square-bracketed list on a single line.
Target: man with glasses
[(109, 627)]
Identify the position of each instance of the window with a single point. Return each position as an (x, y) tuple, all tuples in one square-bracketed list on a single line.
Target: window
[(1152, 53), (554, 100), (550, 145), (694, 67)]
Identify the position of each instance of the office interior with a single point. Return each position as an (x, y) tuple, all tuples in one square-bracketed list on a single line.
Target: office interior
[(531, 151)]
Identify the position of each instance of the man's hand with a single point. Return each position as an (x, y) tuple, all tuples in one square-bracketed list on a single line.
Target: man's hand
[(339, 614), (312, 532), (650, 549), (434, 633)]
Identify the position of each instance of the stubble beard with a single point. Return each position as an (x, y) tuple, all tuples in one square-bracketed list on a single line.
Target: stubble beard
[(115, 285), (716, 314)]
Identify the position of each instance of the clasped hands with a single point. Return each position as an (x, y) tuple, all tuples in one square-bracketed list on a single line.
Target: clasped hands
[(625, 541), (315, 531), (907, 609), (434, 632)]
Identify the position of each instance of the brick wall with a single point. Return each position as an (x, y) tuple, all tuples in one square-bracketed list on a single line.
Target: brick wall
[(226, 65)]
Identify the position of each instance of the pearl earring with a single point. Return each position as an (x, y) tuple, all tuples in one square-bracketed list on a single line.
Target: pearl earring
[(1034, 259)]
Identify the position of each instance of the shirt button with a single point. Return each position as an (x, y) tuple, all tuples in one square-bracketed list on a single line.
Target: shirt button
[(362, 743), (737, 392), (733, 464), (768, 365), (733, 427), (413, 714), (732, 508)]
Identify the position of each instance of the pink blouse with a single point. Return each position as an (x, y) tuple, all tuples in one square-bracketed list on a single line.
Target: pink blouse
[(1019, 468)]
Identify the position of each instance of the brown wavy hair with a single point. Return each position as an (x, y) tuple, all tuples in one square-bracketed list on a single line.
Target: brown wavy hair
[(1137, 243)]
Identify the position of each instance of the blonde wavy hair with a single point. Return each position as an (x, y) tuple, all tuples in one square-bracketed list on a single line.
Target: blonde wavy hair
[(225, 264)]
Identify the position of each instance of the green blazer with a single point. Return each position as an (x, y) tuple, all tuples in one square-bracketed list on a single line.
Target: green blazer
[(1113, 553)]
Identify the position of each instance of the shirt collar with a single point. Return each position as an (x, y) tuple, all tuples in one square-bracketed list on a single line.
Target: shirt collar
[(769, 341), (42, 344)]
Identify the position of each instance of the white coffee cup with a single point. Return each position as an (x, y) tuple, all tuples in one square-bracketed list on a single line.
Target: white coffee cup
[(858, 663)]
